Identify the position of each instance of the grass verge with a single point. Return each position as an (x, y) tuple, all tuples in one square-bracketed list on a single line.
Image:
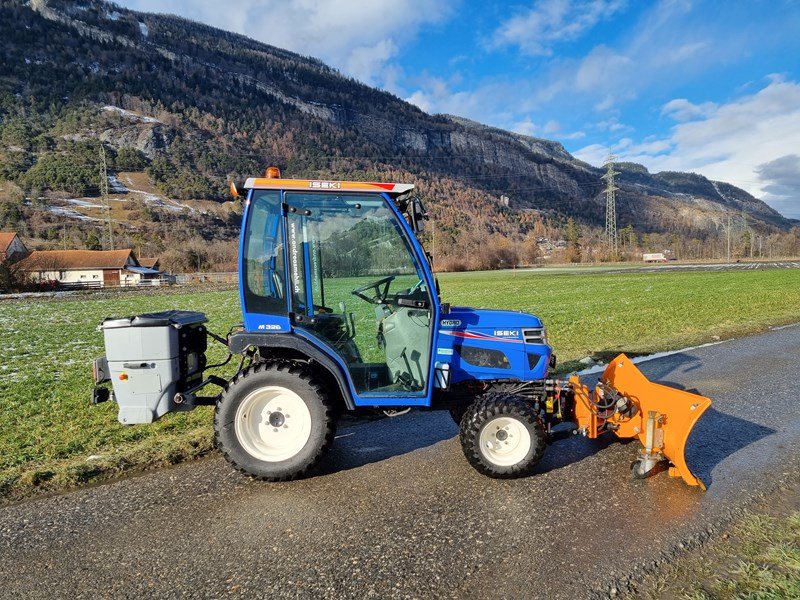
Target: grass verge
[(52, 438), (758, 558)]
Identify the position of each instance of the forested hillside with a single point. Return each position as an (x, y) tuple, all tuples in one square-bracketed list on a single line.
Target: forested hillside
[(190, 106)]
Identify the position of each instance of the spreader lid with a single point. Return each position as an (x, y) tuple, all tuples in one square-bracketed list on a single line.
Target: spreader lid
[(168, 318)]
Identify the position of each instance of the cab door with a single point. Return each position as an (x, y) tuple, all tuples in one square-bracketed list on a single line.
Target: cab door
[(357, 286)]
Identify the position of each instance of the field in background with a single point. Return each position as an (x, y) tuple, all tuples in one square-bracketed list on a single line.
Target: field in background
[(51, 437)]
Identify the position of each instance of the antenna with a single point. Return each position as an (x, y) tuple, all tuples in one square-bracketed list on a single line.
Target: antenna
[(104, 195), (611, 203)]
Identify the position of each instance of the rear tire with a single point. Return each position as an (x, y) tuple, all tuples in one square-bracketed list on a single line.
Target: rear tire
[(457, 412), (502, 436), (274, 422)]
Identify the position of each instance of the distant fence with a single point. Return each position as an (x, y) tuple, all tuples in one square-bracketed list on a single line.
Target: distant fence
[(96, 284), (222, 277)]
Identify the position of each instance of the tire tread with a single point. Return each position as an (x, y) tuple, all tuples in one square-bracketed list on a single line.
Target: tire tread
[(299, 370)]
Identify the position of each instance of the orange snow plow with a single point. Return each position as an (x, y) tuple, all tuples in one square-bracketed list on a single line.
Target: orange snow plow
[(627, 404)]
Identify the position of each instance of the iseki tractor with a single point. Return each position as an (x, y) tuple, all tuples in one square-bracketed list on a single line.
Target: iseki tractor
[(342, 314)]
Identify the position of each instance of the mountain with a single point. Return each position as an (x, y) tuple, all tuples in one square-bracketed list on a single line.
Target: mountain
[(182, 107)]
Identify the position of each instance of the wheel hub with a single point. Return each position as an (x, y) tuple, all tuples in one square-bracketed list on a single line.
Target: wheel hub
[(272, 423), (277, 419), (505, 441)]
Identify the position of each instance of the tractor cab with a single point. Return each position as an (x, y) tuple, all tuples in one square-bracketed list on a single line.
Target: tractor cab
[(338, 264)]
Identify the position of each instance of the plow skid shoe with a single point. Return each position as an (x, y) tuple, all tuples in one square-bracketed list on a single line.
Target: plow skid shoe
[(626, 403)]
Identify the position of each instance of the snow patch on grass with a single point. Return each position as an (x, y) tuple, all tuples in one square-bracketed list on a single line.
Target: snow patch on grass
[(83, 203), (68, 213), (130, 114)]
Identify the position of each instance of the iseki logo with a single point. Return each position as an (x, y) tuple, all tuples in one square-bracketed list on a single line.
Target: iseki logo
[(509, 333)]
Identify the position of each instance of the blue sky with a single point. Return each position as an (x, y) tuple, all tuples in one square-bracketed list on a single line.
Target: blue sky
[(705, 86)]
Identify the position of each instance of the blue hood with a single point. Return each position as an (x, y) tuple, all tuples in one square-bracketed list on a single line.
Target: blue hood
[(480, 318)]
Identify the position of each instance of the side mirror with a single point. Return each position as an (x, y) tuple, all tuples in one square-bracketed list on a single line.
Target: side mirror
[(418, 215)]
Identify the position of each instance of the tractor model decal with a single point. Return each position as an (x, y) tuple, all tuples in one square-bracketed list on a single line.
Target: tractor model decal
[(474, 335), (450, 323)]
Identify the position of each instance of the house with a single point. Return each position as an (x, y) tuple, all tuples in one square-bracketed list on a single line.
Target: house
[(11, 247), (89, 268), (151, 263)]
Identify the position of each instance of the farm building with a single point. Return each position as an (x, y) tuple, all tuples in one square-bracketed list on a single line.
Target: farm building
[(151, 263), (11, 247), (89, 268)]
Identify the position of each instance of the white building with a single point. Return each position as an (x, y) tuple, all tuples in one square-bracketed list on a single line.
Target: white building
[(89, 268)]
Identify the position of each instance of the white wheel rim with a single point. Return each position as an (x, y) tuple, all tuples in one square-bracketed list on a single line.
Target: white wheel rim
[(505, 441), (272, 424)]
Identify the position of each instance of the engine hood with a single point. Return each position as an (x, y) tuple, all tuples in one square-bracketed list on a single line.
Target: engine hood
[(464, 317)]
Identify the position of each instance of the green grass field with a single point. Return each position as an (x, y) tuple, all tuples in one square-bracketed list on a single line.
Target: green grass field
[(50, 436)]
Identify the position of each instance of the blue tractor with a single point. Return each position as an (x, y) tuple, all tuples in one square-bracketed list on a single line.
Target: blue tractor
[(342, 314)]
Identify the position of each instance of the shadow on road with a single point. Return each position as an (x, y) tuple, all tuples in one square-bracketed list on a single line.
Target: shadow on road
[(360, 443), (716, 437)]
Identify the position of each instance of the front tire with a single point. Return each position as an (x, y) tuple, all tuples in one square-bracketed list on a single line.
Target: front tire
[(502, 436), (274, 422)]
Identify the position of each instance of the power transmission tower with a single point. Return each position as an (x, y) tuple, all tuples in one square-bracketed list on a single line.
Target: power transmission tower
[(611, 204), (104, 196)]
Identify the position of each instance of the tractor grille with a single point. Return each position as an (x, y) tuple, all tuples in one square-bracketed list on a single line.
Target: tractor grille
[(535, 336)]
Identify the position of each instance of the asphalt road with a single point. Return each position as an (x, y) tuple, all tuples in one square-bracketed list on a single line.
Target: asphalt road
[(397, 512)]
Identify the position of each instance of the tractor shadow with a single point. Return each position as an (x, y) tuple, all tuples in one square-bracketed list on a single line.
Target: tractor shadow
[(360, 442), (715, 437)]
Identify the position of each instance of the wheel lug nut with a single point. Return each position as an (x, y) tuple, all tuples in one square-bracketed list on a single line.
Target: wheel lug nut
[(275, 430), (286, 427)]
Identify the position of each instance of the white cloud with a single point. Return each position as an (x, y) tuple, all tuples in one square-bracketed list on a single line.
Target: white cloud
[(781, 183), (680, 109), (751, 142), (359, 38), (612, 124), (525, 127), (536, 30), (662, 51)]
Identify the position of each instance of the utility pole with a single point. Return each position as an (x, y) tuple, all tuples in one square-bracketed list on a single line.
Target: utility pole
[(104, 195), (728, 231), (611, 204)]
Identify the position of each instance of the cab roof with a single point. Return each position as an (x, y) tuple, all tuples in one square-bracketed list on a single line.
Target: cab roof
[(264, 183)]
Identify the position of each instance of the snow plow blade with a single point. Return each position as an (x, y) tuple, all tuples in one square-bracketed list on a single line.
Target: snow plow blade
[(626, 403)]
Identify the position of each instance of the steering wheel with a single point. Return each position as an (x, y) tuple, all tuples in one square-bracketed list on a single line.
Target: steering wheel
[(380, 295)]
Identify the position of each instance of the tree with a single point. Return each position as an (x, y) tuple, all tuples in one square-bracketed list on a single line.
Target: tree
[(530, 250), (93, 242), (573, 236)]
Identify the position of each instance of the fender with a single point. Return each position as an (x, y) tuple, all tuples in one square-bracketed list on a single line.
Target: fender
[(239, 342)]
